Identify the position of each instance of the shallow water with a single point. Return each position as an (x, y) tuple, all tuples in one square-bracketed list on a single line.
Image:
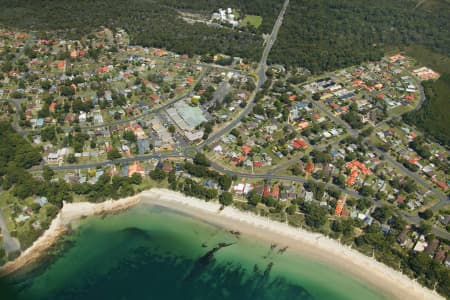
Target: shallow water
[(150, 252)]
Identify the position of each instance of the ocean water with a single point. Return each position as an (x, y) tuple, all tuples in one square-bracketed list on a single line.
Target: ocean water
[(150, 252)]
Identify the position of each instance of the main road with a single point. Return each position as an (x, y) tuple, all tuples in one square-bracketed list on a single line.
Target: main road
[(261, 71)]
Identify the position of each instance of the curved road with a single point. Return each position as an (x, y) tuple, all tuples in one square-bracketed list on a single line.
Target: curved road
[(261, 71), (443, 199), (133, 118), (15, 124)]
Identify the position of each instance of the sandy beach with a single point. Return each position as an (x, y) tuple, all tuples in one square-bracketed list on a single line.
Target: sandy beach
[(68, 214), (316, 246)]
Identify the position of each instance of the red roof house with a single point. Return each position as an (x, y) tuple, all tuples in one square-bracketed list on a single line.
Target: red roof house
[(299, 144), (246, 149), (266, 192), (276, 191)]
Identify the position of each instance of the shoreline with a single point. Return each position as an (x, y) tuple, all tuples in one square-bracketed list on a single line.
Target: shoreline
[(69, 213), (391, 282)]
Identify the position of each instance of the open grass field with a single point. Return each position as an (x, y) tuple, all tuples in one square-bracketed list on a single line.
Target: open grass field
[(256, 21)]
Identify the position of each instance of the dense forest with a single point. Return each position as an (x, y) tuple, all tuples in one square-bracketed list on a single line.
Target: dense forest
[(15, 151), (267, 9), (329, 34), (149, 23), (433, 117), (317, 34)]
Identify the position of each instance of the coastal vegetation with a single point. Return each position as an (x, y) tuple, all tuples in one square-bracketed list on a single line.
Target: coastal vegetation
[(367, 239), (20, 187), (32, 198), (433, 117), (15, 153)]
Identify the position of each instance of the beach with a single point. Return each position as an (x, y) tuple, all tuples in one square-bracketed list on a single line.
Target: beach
[(316, 246), (391, 282), (69, 213)]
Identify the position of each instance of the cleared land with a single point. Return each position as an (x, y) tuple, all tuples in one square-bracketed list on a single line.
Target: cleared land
[(256, 21)]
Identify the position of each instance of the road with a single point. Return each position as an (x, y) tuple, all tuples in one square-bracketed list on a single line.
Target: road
[(10, 244), (16, 104), (261, 71), (332, 116), (411, 219), (223, 170), (416, 221), (261, 79), (205, 65), (137, 117), (292, 162), (443, 199), (125, 160)]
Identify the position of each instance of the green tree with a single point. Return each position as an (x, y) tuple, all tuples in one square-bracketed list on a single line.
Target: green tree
[(363, 204), (425, 227), (136, 179), (315, 216), (129, 136), (316, 96), (253, 198), (67, 91), (71, 159), (200, 159), (47, 173), (172, 129), (225, 182), (291, 209), (114, 154), (382, 214), (157, 174), (226, 198), (427, 214), (46, 85)]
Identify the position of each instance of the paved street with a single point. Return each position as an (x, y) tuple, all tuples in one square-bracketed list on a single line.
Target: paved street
[(186, 151), (261, 79)]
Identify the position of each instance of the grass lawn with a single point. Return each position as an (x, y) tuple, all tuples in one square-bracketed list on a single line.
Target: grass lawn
[(256, 21), (400, 110), (429, 202)]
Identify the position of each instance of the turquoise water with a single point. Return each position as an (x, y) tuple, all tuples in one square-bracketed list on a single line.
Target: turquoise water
[(151, 252)]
